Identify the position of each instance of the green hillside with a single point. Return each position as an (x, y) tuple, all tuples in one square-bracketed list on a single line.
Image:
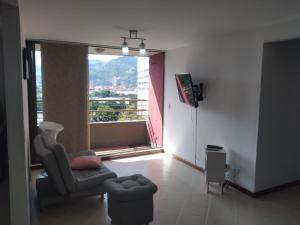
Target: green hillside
[(124, 68)]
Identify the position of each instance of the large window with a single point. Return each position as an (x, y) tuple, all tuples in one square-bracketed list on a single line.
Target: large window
[(118, 88)]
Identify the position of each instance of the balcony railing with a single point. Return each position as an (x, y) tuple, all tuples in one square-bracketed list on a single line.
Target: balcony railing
[(111, 109), (117, 109)]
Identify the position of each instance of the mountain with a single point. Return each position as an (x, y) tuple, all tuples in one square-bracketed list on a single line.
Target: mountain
[(101, 73), (124, 68)]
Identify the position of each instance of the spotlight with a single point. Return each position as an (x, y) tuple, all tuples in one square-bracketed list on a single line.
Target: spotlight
[(125, 49), (142, 48)]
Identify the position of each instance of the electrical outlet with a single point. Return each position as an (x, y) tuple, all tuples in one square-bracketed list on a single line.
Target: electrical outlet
[(236, 171), (232, 173)]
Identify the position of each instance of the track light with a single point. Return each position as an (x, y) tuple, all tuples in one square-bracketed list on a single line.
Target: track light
[(133, 36), (125, 49)]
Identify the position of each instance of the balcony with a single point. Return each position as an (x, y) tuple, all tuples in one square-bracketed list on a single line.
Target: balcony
[(118, 126)]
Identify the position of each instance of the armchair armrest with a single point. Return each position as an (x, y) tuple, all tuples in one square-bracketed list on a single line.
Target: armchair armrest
[(81, 153)]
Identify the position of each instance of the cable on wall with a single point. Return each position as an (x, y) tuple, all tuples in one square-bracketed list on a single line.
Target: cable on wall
[(195, 133)]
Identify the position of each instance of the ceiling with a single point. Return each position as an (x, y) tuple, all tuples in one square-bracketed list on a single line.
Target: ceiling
[(166, 24)]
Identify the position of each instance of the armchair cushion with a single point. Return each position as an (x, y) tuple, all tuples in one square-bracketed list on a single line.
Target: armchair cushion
[(88, 179), (85, 162)]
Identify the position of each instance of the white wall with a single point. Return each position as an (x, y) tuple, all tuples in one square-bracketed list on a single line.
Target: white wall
[(278, 154), (16, 110), (228, 116), (230, 66)]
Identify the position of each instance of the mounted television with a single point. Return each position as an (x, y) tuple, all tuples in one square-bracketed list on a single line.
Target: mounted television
[(188, 93), (185, 89)]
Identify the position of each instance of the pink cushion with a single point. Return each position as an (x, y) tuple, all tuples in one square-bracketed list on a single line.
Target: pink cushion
[(85, 162)]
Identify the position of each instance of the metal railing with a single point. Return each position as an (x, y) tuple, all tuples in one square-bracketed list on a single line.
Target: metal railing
[(117, 109), (111, 109)]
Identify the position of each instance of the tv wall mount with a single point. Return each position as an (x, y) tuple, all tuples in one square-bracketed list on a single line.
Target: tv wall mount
[(198, 93)]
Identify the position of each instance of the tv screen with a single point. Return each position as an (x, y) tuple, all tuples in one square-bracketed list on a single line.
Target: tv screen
[(185, 89)]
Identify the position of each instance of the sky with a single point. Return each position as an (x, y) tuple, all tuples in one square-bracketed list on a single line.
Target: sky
[(38, 58), (104, 58)]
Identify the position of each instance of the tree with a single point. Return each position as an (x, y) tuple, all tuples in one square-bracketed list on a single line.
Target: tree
[(104, 116), (131, 115), (101, 94)]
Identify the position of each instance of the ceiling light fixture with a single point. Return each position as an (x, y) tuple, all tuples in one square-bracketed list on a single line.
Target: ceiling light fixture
[(133, 36)]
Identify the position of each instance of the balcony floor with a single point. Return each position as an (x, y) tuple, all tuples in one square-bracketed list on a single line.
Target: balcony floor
[(108, 153)]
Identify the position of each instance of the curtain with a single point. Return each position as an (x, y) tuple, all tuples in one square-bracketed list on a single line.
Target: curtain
[(65, 92)]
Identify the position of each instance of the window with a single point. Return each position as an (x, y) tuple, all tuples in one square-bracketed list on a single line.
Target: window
[(118, 88)]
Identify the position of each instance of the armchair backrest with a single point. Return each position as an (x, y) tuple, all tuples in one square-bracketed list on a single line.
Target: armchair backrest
[(59, 160), (49, 162), (64, 167)]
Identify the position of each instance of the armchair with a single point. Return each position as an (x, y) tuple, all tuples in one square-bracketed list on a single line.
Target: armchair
[(62, 182)]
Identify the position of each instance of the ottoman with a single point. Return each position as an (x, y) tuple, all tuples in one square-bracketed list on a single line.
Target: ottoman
[(130, 200)]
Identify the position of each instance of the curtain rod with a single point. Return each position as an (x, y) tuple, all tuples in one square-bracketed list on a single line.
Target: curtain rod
[(38, 41)]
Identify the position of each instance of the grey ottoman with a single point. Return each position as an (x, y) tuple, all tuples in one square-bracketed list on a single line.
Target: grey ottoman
[(130, 200)]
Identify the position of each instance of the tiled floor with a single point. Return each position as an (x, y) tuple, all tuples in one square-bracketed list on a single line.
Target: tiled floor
[(182, 200)]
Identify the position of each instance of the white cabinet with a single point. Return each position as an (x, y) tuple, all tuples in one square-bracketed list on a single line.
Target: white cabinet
[(215, 167)]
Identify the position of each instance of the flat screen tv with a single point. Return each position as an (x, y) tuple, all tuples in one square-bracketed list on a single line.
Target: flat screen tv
[(185, 89)]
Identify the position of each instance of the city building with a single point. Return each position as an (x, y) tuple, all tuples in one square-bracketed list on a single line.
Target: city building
[(114, 82), (143, 84)]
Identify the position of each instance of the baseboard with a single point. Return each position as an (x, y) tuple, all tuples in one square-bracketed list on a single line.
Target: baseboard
[(188, 163), (277, 188), (240, 188)]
